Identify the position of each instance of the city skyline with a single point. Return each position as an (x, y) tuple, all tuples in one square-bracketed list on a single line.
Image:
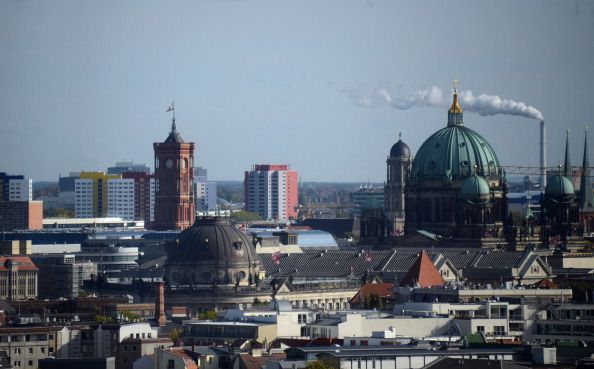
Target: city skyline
[(86, 85)]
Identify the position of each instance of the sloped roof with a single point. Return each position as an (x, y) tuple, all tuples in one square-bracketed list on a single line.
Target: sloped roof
[(423, 273), (380, 289), (22, 263)]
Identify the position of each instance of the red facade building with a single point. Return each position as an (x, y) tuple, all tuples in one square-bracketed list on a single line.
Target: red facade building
[(174, 179)]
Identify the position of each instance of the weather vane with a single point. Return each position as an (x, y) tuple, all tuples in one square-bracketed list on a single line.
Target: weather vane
[(171, 108)]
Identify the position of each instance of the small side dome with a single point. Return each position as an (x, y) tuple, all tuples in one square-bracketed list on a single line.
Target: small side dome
[(475, 187), (559, 186), (400, 150)]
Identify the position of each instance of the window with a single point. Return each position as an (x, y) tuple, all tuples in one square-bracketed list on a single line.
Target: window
[(17, 351), (480, 328), (30, 362), (30, 350), (170, 364), (17, 364)]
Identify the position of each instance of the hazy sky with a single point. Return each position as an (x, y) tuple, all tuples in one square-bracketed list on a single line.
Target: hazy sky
[(84, 84)]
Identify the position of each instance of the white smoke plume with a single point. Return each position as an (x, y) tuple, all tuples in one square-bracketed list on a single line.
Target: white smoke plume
[(491, 105), (482, 104)]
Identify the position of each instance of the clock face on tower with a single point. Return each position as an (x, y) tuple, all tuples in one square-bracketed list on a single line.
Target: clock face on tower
[(169, 163)]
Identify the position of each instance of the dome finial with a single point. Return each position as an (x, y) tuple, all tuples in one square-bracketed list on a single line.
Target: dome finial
[(455, 112), (455, 108), (399, 135)]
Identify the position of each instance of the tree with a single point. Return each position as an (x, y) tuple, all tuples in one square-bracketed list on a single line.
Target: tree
[(318, 364), (208, 315), (58, 213), (176, 334), (245, 216)]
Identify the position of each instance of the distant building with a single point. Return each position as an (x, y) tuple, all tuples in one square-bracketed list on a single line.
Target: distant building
[(366, 197), (18, 278), (91, 194), (456, 186), (205, 192), (61, 276), (66, 184), (174, 177), (20, 189), (128, 166), (21, 215), (399, 162), (271, 190), (5, 187), (120, 198), (26, 346), (16, 247)]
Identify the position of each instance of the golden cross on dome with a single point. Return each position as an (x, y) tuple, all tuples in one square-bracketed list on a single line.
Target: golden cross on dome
[(456, 85)]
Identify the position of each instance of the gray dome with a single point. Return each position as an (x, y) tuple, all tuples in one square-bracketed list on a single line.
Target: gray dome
[(212, 252), (213, 239), (400, 150)]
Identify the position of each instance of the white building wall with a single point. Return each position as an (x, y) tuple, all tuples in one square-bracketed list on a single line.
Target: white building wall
[(20, 190), (267, 194), (83, 198), (120, 198), (356, 325), (152, 200)]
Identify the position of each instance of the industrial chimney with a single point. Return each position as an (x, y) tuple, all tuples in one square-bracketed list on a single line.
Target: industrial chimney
[(543, 156), (160, 303)]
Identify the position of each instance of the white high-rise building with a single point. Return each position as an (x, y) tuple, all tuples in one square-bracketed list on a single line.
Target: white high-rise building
[(20, 189), (205, 192), (83, 198), (271, 191), (120, 198)]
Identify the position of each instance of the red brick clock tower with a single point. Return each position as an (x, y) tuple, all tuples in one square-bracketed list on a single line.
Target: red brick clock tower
[(174, 179)]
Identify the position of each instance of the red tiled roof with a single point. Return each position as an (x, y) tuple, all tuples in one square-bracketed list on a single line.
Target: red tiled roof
[(380, 289), (546, 283), (247, 361), (23, 263), (423, 273), (190, 364)]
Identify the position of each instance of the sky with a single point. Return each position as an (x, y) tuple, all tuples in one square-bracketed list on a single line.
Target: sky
[(84, 84)]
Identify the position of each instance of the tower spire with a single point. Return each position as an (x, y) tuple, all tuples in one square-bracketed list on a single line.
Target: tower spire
[(566, 163), (455, 112), (586, 199)]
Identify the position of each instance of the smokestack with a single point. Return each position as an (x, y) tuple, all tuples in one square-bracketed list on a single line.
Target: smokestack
[(543, 156), (160, 304)]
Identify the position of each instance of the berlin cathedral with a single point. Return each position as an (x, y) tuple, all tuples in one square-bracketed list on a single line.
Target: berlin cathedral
[(455, 191)]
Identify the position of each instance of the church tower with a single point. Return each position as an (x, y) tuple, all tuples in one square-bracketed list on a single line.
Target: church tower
[(399, 163), (174, 178)]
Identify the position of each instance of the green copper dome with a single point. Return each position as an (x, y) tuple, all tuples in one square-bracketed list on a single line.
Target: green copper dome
[(559, 186), (453, 153), (475, 187)]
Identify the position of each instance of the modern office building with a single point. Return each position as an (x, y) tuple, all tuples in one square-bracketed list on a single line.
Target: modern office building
[(205, 191), (60, 276), (20, 189), (5, 180), (120, 198), (174, 177), (91, 194), (271, 190), (21, 215), (128, 166)]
